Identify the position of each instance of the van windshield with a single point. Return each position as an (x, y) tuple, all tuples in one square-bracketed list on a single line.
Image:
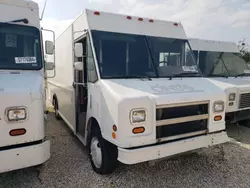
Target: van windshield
[(20, 47), (222, 64), (130, 56)]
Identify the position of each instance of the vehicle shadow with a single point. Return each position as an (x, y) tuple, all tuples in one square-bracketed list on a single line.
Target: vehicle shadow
[(239, 133)]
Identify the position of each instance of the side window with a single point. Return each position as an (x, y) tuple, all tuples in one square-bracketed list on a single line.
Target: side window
[(92, 74)]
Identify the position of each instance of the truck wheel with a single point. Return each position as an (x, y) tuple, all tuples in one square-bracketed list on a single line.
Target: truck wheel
[(103, 155), (57, 115)]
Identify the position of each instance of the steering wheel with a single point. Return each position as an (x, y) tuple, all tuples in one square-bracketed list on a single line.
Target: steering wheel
[(165, 63)]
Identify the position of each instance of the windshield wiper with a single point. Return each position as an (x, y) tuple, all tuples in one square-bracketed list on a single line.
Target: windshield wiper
[(242, 74), (218, 75), (24, 20), (191, 74), (141, 77)]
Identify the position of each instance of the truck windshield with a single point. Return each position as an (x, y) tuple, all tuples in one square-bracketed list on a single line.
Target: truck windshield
[(20, 47), (222, 64), (131, 56)]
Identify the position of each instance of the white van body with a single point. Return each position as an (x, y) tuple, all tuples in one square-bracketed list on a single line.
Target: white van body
[(112, 105), (22, 118), (237, 109)]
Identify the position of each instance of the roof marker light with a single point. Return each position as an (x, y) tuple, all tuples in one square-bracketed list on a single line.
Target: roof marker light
[(129, 17), (175, 24), (97, 13), (140, 19), (151, 20)]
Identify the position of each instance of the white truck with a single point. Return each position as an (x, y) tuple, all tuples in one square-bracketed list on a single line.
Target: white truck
[(22, 125), (130, 90), (221, 63)]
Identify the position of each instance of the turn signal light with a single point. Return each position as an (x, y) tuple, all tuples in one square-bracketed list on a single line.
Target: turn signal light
[(217, 118), (17, 132), (113, 135), (138, 130)]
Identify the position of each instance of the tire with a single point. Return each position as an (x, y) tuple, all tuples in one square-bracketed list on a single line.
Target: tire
[(57, 115), (103, 155)]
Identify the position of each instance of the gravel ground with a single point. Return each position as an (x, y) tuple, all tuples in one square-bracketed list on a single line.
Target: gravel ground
[(69, 166)]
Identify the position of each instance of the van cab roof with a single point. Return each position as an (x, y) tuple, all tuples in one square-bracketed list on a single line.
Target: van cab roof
[(214, 46)]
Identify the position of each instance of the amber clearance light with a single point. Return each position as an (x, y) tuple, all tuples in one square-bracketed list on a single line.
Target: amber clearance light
[(217, 118), (17, 132), (138, 130)]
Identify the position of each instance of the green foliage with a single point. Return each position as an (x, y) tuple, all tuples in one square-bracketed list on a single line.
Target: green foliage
[(244, 50)]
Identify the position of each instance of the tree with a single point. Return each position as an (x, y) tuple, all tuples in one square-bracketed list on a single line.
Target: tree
[(244, 50)]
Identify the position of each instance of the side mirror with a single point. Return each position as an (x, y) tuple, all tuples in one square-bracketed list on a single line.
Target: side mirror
[(49, 66), (78, 50), (49, 47)]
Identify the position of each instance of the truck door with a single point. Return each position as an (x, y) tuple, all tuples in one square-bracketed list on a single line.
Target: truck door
[(81, 94)]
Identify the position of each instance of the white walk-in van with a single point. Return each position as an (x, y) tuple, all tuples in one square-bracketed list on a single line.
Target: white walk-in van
[(222, 64), (130, 90), (22, 125)]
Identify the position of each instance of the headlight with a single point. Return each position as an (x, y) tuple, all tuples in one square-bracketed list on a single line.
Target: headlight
[(138, 116), (218, 106), (16, 114), (232, 96)]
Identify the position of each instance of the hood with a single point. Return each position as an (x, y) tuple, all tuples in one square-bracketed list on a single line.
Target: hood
[(175, 90), (21, 90), (28, 82), (231, 82)]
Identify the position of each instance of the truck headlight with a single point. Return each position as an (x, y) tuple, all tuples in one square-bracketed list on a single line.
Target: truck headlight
[(232, 96), (138, 116), (218, 106), (16, 114)]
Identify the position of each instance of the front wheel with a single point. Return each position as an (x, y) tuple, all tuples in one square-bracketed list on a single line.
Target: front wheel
[(103, 155)]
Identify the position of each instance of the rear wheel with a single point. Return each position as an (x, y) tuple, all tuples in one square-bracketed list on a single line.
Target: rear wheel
[(103, 155), (57, 115)]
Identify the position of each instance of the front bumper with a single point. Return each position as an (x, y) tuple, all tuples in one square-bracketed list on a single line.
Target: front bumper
[(22, 157), (133, 156)]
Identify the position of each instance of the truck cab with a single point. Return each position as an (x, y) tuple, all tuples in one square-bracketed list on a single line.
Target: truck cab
[(221, 63), (22, 120), (130, 89)]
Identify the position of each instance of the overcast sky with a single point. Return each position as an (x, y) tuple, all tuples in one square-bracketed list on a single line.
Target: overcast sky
[(227, 20)]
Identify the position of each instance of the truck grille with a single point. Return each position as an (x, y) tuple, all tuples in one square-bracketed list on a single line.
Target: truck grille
[(177, 121), (244, 100)]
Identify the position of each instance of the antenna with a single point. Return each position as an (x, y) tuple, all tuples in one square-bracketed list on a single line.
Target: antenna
[(43, 9)]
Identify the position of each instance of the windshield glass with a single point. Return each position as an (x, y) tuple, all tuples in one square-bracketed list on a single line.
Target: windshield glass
[(222, 64), (20, 47), (127, 56)]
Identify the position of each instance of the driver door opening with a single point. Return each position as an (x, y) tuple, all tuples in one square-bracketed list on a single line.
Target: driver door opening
[(81, 91)]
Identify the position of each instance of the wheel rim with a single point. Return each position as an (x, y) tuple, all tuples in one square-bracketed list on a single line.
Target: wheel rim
[(96, 152)]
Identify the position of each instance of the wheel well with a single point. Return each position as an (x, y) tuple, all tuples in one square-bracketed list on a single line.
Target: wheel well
[(92, 124)]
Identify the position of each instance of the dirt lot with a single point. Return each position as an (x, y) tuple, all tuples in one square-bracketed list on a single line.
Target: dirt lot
[(69, 166)]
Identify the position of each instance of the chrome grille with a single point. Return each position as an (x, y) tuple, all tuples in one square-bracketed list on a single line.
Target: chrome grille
[(181, 120), (244, 100)]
